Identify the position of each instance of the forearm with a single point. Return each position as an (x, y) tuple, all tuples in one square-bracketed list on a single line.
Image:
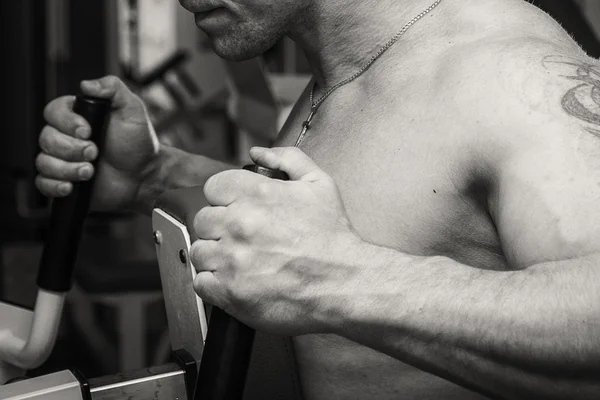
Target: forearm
[(513, 335), (174, 169)]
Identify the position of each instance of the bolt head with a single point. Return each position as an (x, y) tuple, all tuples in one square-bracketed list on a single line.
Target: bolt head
[(157, 237)]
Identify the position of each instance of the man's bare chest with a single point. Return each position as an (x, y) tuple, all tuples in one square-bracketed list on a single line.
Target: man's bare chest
[(403, 183)]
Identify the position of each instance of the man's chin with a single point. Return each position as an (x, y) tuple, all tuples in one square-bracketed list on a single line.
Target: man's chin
[(233, 56), (233, 52)]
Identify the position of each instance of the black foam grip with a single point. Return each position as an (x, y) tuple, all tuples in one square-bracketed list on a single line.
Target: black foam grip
[(68, 213), (269, 173), (226, 356)]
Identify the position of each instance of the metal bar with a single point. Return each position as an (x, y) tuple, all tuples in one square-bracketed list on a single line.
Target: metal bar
[(69, 213), (163, 382), (226, 358), (62, 385)]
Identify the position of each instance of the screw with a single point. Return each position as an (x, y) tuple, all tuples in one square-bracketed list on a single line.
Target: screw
[(182, 256), (157, 237)]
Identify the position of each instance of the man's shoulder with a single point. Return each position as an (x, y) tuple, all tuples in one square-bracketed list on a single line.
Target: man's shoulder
[(520, 92), (509, 54), (501, 59), (519, 78), (518, 34)]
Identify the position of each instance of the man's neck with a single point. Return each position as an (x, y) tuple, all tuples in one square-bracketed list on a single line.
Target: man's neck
[(339, 37)]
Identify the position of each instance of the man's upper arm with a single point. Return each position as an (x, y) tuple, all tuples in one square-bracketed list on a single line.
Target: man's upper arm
[(545, 196)]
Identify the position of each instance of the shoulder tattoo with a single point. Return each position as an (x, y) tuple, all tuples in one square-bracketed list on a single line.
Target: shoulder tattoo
[(583, 100)]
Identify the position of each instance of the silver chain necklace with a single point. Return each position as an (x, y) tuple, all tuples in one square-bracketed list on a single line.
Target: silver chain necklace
[(314, 105)]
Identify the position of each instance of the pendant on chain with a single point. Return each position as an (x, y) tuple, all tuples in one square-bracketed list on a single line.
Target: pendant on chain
[(306, 125), (315, 104)]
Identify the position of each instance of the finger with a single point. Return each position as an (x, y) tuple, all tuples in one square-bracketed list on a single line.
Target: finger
[(112, 88), (54, 168), (59, 113), (290, 160), (224, 188), (56, 144), (209, 223), (53, 188), (210, 290), (207, 257)]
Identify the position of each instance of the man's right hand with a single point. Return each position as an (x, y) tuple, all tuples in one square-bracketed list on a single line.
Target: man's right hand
[(130, 154)]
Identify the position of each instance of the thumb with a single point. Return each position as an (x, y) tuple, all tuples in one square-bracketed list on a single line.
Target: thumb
[(290, 160), (109, 87)]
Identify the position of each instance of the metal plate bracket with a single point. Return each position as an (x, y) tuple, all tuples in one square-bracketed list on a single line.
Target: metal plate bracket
[(185, 310)]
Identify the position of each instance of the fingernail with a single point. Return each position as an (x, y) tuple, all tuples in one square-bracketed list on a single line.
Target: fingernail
[(92, 84), (83, 132), (63, 189), (85, 173), (89, 153)]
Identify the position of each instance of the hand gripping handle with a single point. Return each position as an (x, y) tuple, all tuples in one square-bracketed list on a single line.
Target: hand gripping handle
[(68, 213), (229, 342)]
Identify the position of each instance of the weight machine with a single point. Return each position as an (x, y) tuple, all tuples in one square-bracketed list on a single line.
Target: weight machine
[(213, 355)]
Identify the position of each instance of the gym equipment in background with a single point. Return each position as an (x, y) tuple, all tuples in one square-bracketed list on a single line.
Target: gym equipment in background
[(28, 339), (210, 361)]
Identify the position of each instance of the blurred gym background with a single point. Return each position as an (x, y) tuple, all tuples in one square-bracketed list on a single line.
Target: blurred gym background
[(115, 318)]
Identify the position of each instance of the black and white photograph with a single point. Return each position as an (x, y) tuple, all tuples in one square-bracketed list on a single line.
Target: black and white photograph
[(300, 200)]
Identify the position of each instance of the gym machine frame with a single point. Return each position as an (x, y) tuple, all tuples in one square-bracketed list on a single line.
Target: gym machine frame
[(208, 361)]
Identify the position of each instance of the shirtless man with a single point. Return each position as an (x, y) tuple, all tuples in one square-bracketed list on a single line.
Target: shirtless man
[(440, 235)]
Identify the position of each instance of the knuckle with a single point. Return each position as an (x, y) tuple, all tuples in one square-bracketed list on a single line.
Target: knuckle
[(200, 217), (54, 106), (40, 163), (199, 256), (217, 185), (237, 258), (47, 187), (48, 109), (199, 288), (52, 143), (111, 80), (245, 225), (44, 139), (196, 254), (205, 255), (208, 186), (203, 289), (39, 184), (248, 222), (290, 152), (264, 189)]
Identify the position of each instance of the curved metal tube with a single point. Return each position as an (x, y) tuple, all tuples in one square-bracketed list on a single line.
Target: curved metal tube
[(35, 350)]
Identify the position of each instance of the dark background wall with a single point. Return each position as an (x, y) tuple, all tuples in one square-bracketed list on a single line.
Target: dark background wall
[(31, 78), (24, 62), (572, 19)]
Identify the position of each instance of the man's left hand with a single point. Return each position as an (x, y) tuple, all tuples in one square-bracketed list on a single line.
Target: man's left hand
[(275, 254)]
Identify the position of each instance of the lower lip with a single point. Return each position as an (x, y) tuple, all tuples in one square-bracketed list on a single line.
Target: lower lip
[(208, 15)]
